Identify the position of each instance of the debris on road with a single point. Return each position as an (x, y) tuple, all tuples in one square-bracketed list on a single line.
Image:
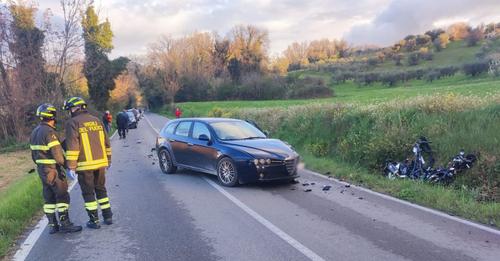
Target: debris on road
[(292, 188), (307, 190), (153, 149), (139, 141), (327, 187), (312, 183), (342, 191), (31, 171), (152, 163), (305, 184), (347, 185), (360, 198), (294, 181)]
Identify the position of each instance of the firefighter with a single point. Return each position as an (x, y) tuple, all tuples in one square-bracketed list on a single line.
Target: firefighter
[(48, 154), (89, 155)]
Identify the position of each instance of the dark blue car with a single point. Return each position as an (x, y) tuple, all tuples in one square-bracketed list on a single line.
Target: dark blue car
[(236, 151)]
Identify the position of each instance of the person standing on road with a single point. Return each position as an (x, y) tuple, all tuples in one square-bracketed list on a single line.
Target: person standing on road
[(122, 123), (47, 153), (107, 119), (178, 112), (89, 155)]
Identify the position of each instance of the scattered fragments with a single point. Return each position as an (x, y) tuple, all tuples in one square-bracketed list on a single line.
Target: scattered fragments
[(342, 191), (152, 163), (31, 171), (326, 187), (153, 149), (307, 190), (294, 181), (292, 188), (360, 198), (150, 155), (125, 146), (139, 141), (313, 183), (305, 184), (347, 185)]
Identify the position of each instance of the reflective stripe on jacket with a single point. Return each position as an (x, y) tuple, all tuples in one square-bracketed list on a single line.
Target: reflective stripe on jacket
[(87, 143), (45, 146)]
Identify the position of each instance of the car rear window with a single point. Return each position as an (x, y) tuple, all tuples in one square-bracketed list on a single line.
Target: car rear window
[(183, 129)]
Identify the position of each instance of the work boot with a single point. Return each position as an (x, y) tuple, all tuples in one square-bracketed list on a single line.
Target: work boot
[(108, 216), (53, 225), (66, 225), (93, 219)]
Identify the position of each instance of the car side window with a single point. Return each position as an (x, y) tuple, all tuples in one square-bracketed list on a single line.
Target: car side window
[(169, 129), (199, 129), (183, 129)]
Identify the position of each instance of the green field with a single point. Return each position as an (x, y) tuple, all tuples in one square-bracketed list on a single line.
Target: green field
[(351, 93)]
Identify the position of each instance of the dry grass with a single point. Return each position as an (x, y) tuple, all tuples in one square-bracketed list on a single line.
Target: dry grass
[(14, 166)]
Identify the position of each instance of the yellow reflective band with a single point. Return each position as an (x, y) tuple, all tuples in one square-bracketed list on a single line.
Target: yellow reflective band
[(71, 157), (53, 143), (105, 206), (92, 167), (49, 206), (72, 99), (108, 151), (73, 152), (103, 200), (91, 205), (60, 205), (103, 145), (86, 146), (45, 161), (92, 162), (47, 114), (39, 147), (51, 109), (49, 211), (78, 103)]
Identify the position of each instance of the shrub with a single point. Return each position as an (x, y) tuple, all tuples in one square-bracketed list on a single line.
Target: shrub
[(475, 69), (413, 59), (390, 79), (309, 87), (432, 75)]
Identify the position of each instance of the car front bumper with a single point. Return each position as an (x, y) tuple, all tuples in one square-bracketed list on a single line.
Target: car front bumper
[(285, 170)]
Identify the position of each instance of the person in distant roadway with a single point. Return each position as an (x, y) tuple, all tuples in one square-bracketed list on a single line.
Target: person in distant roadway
[(178, 112), (48, 154), (107, 119), (122, 123), (88, 153)]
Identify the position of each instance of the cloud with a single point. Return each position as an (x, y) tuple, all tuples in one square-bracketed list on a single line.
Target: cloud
[(137, 23), (403, 17)]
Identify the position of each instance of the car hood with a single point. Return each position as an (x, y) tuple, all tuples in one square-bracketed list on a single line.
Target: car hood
[(264, 148)]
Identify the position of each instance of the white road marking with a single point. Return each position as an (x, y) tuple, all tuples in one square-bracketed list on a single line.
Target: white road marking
[(266, 223), (35, 234), (406, 203), (280, 233)]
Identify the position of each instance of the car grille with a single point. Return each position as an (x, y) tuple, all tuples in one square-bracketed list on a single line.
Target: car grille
[(291, 165)]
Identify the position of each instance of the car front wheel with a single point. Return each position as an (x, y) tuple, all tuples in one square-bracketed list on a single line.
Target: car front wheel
[(166, 164), (227, 173)]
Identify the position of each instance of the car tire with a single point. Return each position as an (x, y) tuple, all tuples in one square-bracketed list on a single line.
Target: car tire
[(166, 163), (227, 172)]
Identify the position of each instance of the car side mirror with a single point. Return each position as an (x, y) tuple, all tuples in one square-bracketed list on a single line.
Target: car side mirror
[(204, 137), (266, 133)]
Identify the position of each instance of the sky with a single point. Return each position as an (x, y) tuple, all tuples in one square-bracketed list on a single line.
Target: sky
[(137, 23)]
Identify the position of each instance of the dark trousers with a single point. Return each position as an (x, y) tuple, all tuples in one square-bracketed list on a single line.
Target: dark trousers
[(122, 132), (92, 183), (55, 189)]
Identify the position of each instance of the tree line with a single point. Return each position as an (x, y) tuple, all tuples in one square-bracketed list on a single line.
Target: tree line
[(46, 63)]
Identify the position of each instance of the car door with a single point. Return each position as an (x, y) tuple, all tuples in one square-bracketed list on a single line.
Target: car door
[(203, 155), (179, 142)]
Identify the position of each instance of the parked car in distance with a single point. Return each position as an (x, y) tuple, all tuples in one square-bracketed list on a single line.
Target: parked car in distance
[(132, 123), (234, 150)]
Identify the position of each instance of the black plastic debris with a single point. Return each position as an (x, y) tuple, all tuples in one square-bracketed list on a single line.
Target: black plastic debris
[(326, 187), (294, 181), (150, 155), (313, 183), (360, 198), (347, 185), (31, 171), (307, 190), (305, 184), (153, 149), (342, 191), (152, 163)]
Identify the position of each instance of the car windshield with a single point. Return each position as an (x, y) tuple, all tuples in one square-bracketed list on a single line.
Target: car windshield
[(236, 130)]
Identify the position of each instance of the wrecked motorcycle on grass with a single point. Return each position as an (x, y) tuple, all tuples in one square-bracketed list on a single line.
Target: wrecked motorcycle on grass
[(420, 169)]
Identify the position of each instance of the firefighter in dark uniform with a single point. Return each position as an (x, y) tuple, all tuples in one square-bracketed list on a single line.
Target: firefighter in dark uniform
[(48, 154), (88, 153)]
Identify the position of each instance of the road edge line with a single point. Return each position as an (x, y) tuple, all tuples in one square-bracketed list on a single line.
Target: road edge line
[(410, 204), (30, 241), (266, 223)]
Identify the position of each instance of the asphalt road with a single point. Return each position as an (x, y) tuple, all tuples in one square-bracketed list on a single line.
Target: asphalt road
[(186, 216)]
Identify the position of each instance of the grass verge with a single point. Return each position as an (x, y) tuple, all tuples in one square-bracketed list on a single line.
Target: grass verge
[(18, 204)]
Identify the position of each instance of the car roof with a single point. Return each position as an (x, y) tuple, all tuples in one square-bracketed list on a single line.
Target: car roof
[(205, 119)]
